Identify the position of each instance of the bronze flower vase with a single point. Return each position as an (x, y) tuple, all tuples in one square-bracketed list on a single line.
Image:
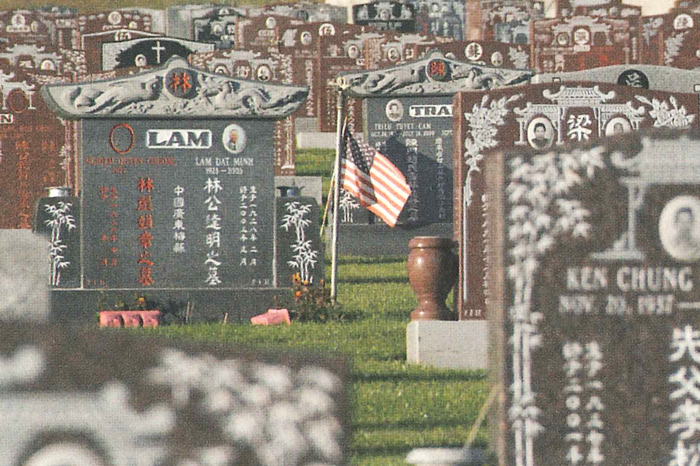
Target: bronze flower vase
[(432, 271)]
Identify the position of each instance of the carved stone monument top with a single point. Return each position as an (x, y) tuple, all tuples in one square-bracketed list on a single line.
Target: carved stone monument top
[(177, 90), (433, 75)]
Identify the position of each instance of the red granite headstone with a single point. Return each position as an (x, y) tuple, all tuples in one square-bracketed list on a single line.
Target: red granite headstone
[(541, 117), (34, 153), (582, 42)]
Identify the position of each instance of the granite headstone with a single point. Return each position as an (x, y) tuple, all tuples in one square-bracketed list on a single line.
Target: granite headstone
[(593, 301), (148, 52), (33, 153), (542, 117), (409, 119), (177, 179), (85, 396)]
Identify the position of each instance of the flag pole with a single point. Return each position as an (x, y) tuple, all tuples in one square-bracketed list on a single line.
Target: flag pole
[(336, 192), (329, 201)]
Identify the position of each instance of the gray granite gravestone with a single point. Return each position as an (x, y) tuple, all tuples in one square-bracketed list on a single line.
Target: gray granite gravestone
[(593, 299), (409, 120), (218, 29), (385, 15), (24, 281), (653, 77), (177, 186), (89, 397)]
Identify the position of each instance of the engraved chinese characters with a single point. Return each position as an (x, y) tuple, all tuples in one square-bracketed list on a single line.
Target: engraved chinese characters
[(173, 199), (186, 205), (542, 118), (593, 268)]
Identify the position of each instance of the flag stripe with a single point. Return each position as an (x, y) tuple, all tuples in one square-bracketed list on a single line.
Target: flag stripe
[(373, 179)]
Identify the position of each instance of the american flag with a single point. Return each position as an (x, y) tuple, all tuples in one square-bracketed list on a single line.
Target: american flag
[(372, 179)]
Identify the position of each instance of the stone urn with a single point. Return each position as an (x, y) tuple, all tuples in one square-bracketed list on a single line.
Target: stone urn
[(432, 271)]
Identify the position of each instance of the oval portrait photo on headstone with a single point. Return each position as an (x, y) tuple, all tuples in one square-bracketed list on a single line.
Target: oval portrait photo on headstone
[(234, 139), (540, 133), (679, 228), (618, 125), (394, 110)]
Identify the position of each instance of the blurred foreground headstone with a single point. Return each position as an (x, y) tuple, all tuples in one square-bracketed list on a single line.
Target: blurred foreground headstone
[(24, 276), (593, 261), (91, 397)]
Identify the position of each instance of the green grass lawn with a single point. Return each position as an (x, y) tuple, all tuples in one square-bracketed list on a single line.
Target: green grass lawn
[(395, 407)]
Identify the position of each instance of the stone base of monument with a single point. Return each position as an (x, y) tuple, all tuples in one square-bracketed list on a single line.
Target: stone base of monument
[(232, 306), (449, 345), (446, 457), (316, 140), (380, 240)]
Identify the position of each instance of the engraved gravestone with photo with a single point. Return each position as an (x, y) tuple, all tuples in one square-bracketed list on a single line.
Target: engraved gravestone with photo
[(676, 39), (593, 299), (583, 42), (304, 10), (541, 117), (409, 120), (148, 52), (177, 184), (26, 27), (385, 16), (218, 28), (91, 46)]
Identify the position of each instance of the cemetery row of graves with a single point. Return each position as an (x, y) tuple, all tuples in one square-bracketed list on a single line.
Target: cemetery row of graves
[(573, 199)]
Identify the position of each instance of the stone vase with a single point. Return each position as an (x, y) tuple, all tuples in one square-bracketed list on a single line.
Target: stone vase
[(432, 271)]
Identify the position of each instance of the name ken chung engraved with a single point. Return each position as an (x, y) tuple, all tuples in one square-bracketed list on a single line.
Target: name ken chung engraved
[(631, 290)]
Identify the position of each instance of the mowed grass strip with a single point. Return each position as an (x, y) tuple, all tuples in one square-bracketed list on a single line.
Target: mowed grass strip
[(395, 407)]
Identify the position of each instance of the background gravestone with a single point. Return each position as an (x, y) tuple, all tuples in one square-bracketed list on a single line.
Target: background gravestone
[(657, 78), (76, 391), (91, 45), (594, 296), (32, 155), (676, 39), (219, 28), (583, 42), (408, 119), (385, 16), (148, 52), (176, 203), (562, 113)]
